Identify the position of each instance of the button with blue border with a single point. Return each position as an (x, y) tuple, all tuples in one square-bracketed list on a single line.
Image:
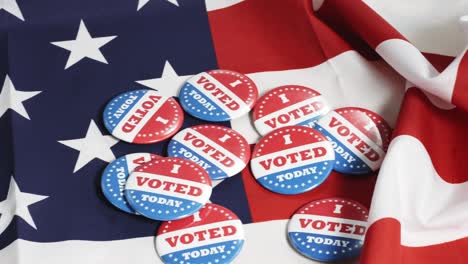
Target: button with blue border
[(292, 160), (359, 137), (221, 151), (143, 116), (115, 177), (289, 105), (212, 235), (218, 95), (329, 230), (168, 188)]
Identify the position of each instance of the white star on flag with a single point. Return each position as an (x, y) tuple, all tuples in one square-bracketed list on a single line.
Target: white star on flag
[(169, 83), (17, 203), (11, 6), (84, 46), (142, 3), (12, 99), (93, 145)]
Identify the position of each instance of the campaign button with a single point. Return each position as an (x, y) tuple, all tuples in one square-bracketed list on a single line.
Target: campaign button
[(143, 116), (168, 188), (218, 95), (359, 137), (292, 160), (115, 177), (288, 105), (221, 151), (212, 235), (329, 230)]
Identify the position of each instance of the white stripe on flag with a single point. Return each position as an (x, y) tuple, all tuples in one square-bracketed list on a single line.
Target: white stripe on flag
[(261, 240)]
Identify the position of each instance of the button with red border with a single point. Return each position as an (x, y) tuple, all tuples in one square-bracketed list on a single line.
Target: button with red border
[(221, 151), (143, 116), (288, 105), (218, 95), (359, 137), (212, 235), (331, 229), (168, 188), (292, 160), (115, 177)]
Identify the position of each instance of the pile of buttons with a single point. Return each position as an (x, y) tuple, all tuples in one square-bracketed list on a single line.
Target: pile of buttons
[(303, 141)]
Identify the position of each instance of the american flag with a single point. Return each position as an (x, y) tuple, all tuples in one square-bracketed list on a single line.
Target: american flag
[(61, 61)]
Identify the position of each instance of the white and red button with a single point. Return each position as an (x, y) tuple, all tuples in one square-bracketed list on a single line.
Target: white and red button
[(115, 177), (221, 151), (168, 188), (212, 235), (329, 230), (143, 116), (218, 95), (288, 106), (292, 160), (359, 136)]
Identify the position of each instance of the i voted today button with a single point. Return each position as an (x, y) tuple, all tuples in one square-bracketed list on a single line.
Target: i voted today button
[(115, 176), (288, 106), (329, 230), (212, 235), (292, 160), (221, 151), (359, 136), (168, 188), (143, 116), (218, 95)]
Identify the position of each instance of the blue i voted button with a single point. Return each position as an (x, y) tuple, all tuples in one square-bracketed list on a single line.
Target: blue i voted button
[(218, 95), (115, 177), (329, 230)]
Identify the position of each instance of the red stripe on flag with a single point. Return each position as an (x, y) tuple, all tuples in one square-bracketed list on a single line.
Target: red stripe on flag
[(460, 92), (383, 247), (357, 17), (265, 35)]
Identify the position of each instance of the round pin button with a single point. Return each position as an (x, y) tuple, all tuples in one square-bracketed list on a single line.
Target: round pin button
[(288, 105), (212, 235), (292, 160), (168, 188), (359, 137), (218, 95), (143, 116), (221, 151), (329, 230), (115, 176)]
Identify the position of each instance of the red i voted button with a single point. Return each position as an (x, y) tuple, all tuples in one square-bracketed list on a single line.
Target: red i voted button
[(292, 160), (359, 137), (212, 235), (115, 176), (168, 188), (288, 106), (143, 116), (221, 151), (218, 95), (331, 229)]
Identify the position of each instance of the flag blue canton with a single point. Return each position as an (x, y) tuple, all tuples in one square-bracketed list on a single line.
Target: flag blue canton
[(68, 84)]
